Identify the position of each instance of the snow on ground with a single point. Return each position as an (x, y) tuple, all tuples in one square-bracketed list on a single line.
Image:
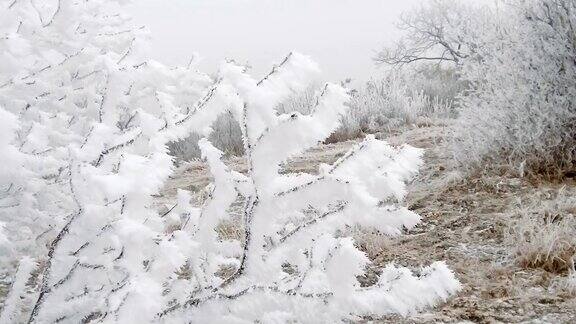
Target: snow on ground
[(465, 223)]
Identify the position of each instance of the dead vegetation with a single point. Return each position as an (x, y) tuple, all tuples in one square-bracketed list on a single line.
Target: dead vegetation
[(543, 233)]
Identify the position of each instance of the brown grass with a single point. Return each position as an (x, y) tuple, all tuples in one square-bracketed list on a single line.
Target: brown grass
[(544, 234)]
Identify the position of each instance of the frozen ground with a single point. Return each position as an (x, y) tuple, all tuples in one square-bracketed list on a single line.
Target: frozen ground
[(465, 223)]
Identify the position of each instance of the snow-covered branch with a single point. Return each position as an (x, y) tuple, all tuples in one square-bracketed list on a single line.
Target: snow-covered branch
[(84, 122), (291, 247)]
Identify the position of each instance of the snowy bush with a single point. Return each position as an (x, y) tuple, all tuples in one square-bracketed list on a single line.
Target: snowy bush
[(517, 59), (301, 101), (388, 104), (441, 84), (403, 98), (292, 260), (85, 120), (226, 136), (522, 111)]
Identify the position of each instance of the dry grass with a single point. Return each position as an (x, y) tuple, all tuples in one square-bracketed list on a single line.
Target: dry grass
[(231, 230), (370, 242), (544, 235)]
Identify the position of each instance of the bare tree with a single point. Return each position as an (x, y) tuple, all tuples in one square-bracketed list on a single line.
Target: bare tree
[(436, 31)]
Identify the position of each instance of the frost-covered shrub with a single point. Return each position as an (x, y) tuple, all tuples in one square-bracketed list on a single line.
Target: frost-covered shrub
[(18, 297), (522, 107), (293, 261), (226, 136), (441, 84), (517, 60), (388, 104), (301, 101), (403, 98), (84, 122)]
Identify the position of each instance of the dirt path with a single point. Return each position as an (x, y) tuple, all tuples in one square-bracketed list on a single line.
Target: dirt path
[(464, 224)]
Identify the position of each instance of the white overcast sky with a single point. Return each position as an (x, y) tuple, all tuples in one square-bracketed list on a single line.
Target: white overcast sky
[(341, 35)]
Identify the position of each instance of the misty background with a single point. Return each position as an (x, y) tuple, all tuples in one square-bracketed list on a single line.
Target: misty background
[(341, 35)]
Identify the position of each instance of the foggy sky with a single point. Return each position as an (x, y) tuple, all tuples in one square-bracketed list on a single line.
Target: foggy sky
[(341, 35)]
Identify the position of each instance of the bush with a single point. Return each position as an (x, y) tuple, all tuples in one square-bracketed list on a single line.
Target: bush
[(521, 111), (517, 67), (402, 98), (226, 137), (391, 103), (287, 248)]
